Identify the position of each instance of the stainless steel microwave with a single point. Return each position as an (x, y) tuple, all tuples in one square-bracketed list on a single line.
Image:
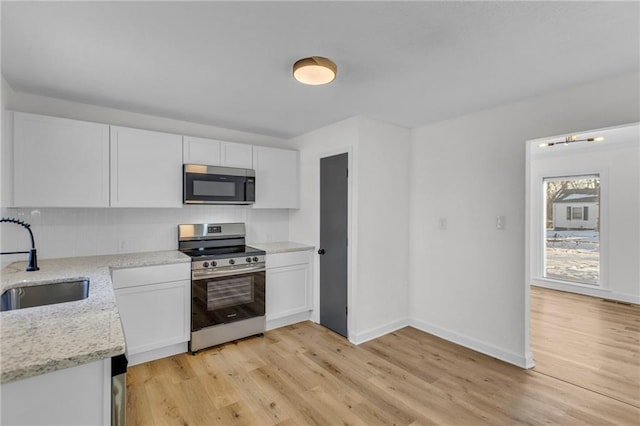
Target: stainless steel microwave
[(218, 185)]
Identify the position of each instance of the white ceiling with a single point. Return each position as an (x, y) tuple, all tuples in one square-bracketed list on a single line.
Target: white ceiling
[(229, 63)]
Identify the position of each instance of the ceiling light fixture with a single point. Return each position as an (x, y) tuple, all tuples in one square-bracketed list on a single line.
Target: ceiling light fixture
[(315, 70), (571, 139)]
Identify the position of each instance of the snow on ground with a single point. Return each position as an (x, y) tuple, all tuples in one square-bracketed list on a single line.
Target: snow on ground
[(573, 256)]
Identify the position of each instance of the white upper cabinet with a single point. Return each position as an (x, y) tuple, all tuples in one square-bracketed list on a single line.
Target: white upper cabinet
[(236, 155), (217, 153), (200, 151), (146, 168), (60, 162), (276, 178)]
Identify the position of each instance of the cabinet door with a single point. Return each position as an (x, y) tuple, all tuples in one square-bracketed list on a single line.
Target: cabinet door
[(276, 177), (60, 162), (155, 315), (200, 151), (78, 395), (288, 291), (146, 168), (236, 155)]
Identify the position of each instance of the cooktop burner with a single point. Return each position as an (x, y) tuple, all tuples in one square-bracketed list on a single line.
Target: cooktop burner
[(223, 252), (212, 245)]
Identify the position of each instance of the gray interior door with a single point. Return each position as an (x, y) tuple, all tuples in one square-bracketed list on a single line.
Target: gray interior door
[(333, 242)]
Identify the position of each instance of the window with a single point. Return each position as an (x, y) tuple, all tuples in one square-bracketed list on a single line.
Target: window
[(577, 213), (571, 251)]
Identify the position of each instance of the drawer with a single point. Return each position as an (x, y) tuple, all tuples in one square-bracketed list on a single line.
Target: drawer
[(145, 275), (277, 260)]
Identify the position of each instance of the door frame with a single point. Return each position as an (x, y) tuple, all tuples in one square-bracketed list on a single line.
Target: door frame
[(351, 238), (531, 228)]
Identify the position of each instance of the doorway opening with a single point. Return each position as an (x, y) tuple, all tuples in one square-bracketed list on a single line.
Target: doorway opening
[(582, 207)]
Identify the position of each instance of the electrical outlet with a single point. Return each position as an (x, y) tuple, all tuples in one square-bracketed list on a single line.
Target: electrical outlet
[(501, 223)]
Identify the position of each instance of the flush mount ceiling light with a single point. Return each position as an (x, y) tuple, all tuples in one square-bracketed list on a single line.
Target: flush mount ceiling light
[(315, 70), (571, 139)]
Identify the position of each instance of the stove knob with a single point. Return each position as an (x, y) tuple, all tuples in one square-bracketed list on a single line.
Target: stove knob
[(248, 260), (205, 265), (214, 263), (232, 262), (255, 258)]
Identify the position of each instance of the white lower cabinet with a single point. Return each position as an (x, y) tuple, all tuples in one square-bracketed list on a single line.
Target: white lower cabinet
[(155, 308), (289, 297), (73, 396)]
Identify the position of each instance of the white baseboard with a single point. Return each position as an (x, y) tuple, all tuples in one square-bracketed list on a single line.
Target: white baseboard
[(178, 348), (529, 360), (521, 361), (372, 333), (288, 320), (594, 292)]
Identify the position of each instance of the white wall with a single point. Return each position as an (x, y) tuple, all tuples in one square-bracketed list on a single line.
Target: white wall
[(378, 225), (78, 232), (616, 159), (468, 281), (304, 223), (382, 290)]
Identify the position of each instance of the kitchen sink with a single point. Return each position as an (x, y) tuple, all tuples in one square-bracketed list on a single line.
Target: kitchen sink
[(45, 294)]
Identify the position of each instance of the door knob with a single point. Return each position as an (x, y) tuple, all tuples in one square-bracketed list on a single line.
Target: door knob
[(321, 251)]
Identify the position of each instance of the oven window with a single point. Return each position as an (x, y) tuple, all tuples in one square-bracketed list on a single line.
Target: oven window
[(229, 292), (211, 188)]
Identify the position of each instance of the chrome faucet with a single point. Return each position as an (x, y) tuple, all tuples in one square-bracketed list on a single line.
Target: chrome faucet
[(33, 258)]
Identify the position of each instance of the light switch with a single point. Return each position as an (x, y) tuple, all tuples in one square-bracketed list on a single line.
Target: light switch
[(443, 223), (501, 222)]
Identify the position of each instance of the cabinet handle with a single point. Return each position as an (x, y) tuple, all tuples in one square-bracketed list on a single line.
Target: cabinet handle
[(321, 252)]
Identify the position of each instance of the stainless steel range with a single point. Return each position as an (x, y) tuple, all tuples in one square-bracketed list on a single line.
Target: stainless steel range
[(227, 283)]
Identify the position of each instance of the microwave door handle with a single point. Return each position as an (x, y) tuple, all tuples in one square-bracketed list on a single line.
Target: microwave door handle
[(250, 191)]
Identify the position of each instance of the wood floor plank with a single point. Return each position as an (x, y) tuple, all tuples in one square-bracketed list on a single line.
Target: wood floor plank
[(587, 341), (305, 374), (269, 378)]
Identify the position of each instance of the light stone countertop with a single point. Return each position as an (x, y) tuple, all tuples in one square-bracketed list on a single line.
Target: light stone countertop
[(281, 247), (47, 338)]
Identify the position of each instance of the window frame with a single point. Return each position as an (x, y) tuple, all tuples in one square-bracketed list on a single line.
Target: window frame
[(539, 265)]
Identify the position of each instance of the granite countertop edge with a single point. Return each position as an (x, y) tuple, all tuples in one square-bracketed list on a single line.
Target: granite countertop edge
[(48, 338), (282, 247)]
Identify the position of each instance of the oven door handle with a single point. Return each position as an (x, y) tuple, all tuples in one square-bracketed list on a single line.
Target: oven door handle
[(199, 275)]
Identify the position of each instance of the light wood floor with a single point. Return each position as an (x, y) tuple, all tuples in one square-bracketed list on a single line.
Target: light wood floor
[(587, 341), (305, 374)]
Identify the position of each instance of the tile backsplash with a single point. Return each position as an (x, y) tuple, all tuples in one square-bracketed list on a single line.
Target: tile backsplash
[(69, 232)]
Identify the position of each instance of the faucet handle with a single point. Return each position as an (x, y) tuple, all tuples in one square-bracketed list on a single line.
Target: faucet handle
[(33, 261)]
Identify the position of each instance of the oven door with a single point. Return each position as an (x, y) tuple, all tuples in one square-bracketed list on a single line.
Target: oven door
[(217, 185), (228, 298)]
